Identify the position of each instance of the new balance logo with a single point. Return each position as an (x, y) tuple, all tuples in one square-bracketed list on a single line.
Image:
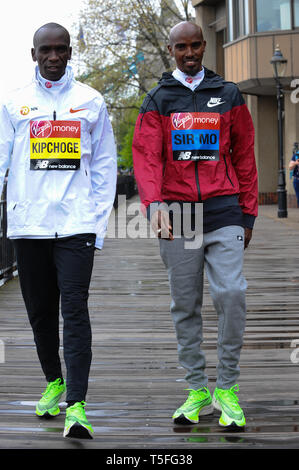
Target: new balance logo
[(185, 156), (41, 164), (215, 102)]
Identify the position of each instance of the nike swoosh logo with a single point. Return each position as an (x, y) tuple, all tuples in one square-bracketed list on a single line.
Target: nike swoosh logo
[(76, 110), (212, 105)]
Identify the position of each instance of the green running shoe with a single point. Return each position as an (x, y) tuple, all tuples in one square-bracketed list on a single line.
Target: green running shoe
[(198, 403), (226, 401), (48, 404), (76, 424)]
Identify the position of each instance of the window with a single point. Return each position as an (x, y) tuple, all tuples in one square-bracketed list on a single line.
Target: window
[(296, 13), (274, 17), (238, 18), (271, 15)]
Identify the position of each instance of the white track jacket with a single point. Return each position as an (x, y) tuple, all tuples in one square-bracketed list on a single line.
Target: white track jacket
[(57, 141)]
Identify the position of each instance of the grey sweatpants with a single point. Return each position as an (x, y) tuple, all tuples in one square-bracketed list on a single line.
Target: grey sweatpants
[(221, 255)]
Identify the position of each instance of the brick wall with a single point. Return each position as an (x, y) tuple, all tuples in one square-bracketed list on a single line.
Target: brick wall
[(267, 198), (271, 198)]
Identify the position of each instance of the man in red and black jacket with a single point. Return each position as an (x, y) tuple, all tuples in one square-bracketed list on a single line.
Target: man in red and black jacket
[(194, 145)]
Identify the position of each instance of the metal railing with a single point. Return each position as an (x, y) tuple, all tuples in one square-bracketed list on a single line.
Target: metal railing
[(8, 265)]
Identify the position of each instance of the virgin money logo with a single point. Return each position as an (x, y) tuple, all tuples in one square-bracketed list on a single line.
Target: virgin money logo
[(41, 129), (182, 121)]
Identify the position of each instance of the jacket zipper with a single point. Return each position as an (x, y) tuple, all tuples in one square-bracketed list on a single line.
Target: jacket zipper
[(226, 169), (196, 163)]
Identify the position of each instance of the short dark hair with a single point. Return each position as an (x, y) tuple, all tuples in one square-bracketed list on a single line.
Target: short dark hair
[(181, 25), (51, 26)]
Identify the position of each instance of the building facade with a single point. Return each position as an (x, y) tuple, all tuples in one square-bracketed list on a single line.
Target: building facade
[(241, 39)]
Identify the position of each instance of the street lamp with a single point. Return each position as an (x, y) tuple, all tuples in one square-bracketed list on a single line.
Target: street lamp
[(279, 67)]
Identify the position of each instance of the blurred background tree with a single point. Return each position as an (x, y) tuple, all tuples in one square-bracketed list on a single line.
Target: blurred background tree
[(122, 52)]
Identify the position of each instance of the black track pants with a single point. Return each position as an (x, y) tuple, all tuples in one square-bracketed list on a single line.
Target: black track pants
[(53, 271)]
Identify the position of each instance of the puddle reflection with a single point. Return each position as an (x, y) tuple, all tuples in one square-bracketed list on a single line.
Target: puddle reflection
[(281, 402), (31, 429), (234, 434)]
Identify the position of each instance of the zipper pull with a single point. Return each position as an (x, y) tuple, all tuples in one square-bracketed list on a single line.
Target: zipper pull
[(54, 116)]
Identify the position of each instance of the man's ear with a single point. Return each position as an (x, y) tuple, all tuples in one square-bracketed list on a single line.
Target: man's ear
[(33, 54), (70, 53), (170, 50)]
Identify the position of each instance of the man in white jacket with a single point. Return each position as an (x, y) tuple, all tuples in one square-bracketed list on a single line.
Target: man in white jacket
[(57, 141)]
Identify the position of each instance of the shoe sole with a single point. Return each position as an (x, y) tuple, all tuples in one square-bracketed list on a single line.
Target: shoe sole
[(182, 419), (48, 413), (77, 431), (229, 422)]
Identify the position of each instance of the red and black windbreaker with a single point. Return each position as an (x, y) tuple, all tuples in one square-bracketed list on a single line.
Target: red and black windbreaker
[(165, 173)]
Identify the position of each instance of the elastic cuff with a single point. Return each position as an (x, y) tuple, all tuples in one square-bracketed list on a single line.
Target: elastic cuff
[(249, 220), (99, 243)]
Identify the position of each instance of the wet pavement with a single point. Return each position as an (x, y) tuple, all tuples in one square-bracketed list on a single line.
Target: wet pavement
[(136, 382)]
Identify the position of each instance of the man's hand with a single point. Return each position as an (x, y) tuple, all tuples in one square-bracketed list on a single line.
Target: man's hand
[(161, 225), (248, 235)]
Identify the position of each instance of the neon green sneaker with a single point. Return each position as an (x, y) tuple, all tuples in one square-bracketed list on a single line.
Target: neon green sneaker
[(76, 424), (198, 403), (226, 401), (48, 404)]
